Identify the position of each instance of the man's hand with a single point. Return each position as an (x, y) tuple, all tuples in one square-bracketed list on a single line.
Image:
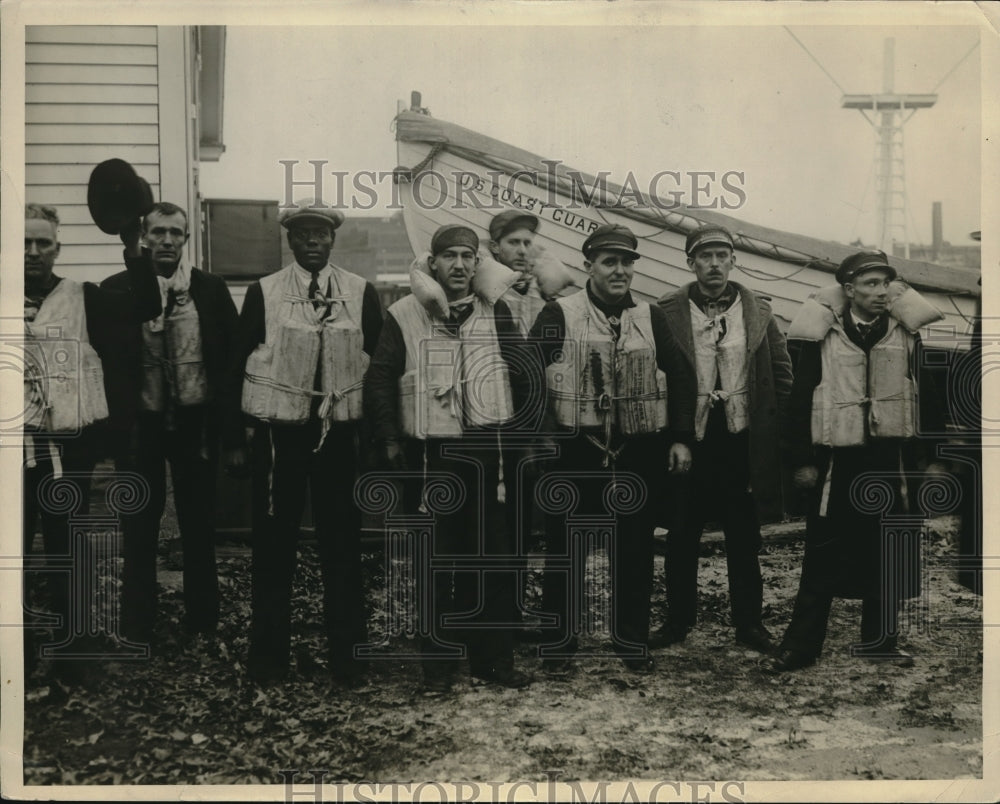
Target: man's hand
[(937, 468), (679, 460), (238, 462), (130, 234), (805, 477)]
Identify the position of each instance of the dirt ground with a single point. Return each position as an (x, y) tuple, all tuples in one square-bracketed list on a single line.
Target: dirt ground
[(189, 715)]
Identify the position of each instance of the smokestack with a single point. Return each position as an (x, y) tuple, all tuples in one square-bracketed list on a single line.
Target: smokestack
[(936, 230)]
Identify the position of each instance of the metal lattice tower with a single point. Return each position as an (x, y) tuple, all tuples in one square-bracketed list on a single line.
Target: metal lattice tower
[(887, 119)]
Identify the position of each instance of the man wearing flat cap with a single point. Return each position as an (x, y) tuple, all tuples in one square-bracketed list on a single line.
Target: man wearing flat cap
[(442, 376), (854, 410), (621, 413), (166, 382), (69, 327), (304, 340), (512, 234), (727, 334)]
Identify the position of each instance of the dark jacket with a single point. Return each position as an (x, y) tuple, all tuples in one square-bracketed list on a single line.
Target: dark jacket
[(123, 367), (769, 384)]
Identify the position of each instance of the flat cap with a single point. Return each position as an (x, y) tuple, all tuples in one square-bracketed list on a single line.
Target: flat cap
[(861, 262), (705, 235), (453, 234), (510, 220), (611, 237), (311, 210)]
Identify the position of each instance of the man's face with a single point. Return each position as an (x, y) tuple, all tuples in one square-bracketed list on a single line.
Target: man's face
[(869, 293), (453, 269), (711, 265), (610, 274), (311, 244), (40, 250), (165, 236), (512, 249)]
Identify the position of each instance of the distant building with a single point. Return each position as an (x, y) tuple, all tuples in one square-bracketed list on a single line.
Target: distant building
[(969, 256)]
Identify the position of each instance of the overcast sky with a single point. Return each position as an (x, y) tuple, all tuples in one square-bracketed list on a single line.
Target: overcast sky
[(622, 99)]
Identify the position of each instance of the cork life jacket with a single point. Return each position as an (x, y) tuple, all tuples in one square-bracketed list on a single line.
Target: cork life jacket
[(599, 383), (876, 389), (280, 378), (720, 347), (63, 377), (525, 307), (451, 383), (172, 363)]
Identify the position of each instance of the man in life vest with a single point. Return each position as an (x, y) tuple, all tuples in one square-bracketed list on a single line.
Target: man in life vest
[(620, 408), (729, 337), (68, 324), (165, 388), (854, 410), (304, 339), (442, 376), (512, 234)]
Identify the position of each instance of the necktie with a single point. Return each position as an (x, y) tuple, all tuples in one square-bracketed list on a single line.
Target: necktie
[(313, 291)]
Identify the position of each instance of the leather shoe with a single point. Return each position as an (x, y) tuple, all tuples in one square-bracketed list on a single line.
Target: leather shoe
[(558, 668), (893, 656), (787, 661), (667, 635), (756, 637)]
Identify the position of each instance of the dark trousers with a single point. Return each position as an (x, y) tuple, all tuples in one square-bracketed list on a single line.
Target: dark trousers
[(191, 450), (715, 489), (807, 630), (581, 474), (54, 502), (479, 598), (284, 467)]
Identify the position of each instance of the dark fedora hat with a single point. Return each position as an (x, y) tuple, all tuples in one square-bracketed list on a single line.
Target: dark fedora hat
[(117, 195)]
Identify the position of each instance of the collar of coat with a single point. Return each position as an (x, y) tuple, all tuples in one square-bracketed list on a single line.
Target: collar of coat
[(677, 306)]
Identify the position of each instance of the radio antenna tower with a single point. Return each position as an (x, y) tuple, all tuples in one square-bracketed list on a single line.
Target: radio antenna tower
[(887, 112)]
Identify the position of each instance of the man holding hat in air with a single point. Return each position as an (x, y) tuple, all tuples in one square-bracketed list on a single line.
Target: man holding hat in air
[(68, 324), (442, 376), (615, 382), (729, 337), (304, 338), (854, 410), (166, 396)]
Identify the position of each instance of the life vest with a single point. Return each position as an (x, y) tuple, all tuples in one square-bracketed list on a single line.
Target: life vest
[(451, 383), (172, 360), (63, 378), (281, 373), (598, 382), (854, 386), (721, 360)]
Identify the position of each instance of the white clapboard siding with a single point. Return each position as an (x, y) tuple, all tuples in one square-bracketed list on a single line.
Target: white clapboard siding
[(87, 54), (76, 133), (90, 34), (42, 114), (91, 93)]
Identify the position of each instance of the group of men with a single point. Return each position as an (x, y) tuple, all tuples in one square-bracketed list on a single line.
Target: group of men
[(594, 406)]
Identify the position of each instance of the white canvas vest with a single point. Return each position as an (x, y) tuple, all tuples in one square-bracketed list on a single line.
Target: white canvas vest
[(172, 361), (63, 378), (280, 375), (598, 382), (721, 363), (451, 383), (853, 385)]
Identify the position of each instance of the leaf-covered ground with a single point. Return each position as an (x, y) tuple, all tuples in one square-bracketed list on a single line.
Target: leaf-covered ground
[(189, 715)]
